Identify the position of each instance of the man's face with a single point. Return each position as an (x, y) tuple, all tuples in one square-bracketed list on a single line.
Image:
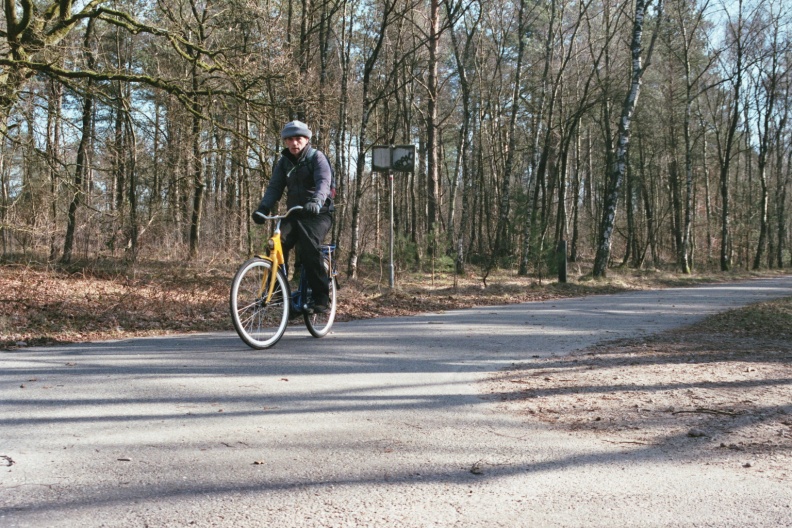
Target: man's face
[(295, 144)]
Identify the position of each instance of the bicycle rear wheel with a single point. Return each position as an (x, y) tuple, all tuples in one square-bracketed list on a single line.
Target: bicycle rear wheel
[(319, 324), (259, 323)]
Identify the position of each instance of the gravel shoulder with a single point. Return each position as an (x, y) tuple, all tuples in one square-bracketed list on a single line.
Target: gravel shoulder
[(717, 393)]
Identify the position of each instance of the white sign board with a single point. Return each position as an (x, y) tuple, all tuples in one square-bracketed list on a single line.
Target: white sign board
[(380, 159)]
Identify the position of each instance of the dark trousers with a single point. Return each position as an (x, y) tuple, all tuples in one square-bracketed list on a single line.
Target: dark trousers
[(307, 237)]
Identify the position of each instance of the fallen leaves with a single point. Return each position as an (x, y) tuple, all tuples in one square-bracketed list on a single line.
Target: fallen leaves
[(113, 299), (57, 307)]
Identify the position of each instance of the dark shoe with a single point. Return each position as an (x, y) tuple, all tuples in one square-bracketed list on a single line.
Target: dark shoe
[(320, 308)]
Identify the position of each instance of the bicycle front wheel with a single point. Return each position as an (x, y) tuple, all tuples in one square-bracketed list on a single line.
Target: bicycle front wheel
[(259, 322), (319, 324)]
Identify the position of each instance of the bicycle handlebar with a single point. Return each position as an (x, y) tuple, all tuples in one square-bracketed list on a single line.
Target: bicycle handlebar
[(279, 217)]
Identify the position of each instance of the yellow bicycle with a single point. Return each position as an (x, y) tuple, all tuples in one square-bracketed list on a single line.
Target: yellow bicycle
[(262, 301)]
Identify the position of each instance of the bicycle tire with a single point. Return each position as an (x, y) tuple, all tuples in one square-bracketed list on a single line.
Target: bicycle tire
[(260, 324), (319, 324)]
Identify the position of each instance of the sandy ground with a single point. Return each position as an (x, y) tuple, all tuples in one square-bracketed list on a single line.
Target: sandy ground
[(720, 397)]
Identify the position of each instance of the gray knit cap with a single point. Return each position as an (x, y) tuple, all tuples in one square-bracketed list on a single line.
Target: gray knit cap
[(295, 128)]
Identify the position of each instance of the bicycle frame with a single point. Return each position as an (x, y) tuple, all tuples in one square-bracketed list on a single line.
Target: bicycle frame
[(278, 260)]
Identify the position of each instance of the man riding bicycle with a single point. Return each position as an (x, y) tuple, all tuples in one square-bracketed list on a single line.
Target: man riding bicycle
[(306, 172)]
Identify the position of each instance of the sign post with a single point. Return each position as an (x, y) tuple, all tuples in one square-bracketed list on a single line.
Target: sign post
[(391, 273), (390, 159)]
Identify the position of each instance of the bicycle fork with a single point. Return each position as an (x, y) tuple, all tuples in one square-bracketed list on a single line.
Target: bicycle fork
[(275, 257)]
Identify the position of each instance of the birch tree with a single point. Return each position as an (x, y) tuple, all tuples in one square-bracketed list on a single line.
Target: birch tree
[(619, 168)]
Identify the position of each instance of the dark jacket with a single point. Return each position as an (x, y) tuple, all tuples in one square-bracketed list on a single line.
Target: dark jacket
[(306, 178)]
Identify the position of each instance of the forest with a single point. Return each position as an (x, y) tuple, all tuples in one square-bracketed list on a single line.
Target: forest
[(639, 133)]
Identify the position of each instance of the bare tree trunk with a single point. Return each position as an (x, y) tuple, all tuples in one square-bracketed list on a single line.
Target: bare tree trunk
[(432, 141), (577, 184), (341, 168), (676, 204), (619, 168), (4, 198), (502, 242), (538, 162), (685, 250), (689, 31), (783, 179), (763, 215), (368, 105), (728, 145), (119, 160), (629, 208), (767, 91), (156, 196), (781, 215), (199, 185), (83, 158), (133, 218), (542, 163), (53, 153), (462, 167)]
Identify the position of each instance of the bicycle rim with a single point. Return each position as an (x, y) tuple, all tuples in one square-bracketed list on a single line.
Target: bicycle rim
[(259, 323), (319, 324)]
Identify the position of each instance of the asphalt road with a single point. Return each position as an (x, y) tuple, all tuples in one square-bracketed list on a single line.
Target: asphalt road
[(382, 423)]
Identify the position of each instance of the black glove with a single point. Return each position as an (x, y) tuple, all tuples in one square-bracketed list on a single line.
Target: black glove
[(313, 207), (258, 215)]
